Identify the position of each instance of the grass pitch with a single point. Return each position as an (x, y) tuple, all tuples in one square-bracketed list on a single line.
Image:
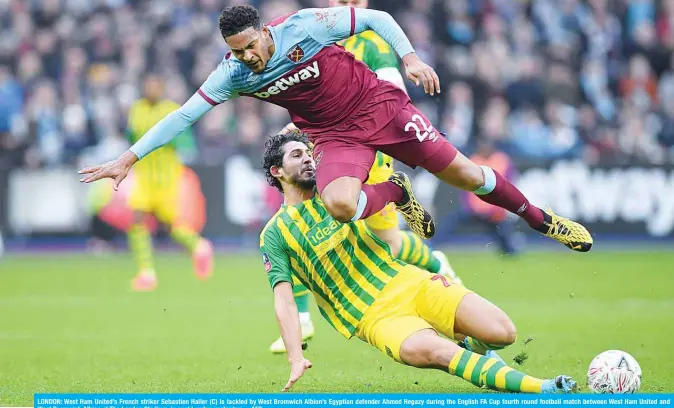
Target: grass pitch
[(69, 323)]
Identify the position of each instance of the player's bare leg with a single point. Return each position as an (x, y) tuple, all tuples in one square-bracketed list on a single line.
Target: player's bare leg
[(484, 326), (341, 196), (493, 188), (347, 199), (140, 243), (482, 320), (426, 349)]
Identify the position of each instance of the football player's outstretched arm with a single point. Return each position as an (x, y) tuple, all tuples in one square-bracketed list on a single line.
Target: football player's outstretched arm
[(171, 126), (289, 324), (215, 90), (276, 262), (334, 24)]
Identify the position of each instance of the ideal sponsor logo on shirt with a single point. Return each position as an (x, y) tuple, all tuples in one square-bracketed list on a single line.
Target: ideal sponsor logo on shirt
[(322, 231)]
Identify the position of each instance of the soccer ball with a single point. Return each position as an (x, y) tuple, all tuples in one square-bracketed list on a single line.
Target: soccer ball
[(614, 372)]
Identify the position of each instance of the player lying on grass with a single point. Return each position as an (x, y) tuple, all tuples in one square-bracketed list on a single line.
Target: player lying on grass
[(363, 291), (348, 113), (407, 246)]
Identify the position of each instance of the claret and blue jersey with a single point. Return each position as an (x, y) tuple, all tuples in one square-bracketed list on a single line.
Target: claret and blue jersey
[(314, 79), (318, 82), (298, 38)]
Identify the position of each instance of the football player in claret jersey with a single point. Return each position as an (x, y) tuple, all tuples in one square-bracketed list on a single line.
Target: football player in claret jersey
[(407, 246), (363, 291), (378, 55), (348, 113)]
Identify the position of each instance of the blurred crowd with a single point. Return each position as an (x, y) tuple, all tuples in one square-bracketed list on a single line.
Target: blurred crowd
[(539, 79)]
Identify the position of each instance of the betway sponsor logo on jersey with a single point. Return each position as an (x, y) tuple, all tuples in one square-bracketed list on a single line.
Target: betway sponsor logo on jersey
[(283, 84)]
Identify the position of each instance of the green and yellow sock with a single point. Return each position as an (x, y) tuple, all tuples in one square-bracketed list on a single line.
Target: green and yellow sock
[(185, 237), (414, 252), (140, 243), (302, 295), (480, 371)]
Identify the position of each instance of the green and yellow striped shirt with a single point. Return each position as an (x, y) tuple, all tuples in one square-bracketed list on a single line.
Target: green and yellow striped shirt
[(162, 167), (344, 265), (373, 50)]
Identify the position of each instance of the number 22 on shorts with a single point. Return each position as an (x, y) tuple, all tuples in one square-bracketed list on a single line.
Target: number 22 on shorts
[(429, 132)]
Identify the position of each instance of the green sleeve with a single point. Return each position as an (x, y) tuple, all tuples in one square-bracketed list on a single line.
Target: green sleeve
[(379, 55), (275, 257)]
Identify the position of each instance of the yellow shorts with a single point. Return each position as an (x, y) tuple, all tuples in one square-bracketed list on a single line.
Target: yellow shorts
[(381, 170), (414, 300), (160, 201)]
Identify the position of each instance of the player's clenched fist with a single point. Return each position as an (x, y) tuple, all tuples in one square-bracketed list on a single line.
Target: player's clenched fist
[(115, 170), (420, 73), (289, 128), (297, 369)]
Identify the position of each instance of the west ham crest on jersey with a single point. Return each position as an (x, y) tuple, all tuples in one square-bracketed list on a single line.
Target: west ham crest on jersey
[(317, 157), (295, 54)]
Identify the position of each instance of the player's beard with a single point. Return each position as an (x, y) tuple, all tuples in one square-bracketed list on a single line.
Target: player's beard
[(304, 183)]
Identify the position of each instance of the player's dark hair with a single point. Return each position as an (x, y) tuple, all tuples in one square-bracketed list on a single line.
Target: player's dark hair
[(235, 19), (274, 151)]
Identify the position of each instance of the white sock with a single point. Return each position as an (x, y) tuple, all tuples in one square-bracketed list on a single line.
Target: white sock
[(362, 202), (305, 318), (489, 181)]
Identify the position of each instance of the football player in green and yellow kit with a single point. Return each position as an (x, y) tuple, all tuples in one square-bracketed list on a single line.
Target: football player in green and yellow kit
[(364, 292), (157, 191)]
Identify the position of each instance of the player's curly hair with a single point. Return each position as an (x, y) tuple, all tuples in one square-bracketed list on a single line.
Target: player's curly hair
[(273, 153), (235, 19)]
